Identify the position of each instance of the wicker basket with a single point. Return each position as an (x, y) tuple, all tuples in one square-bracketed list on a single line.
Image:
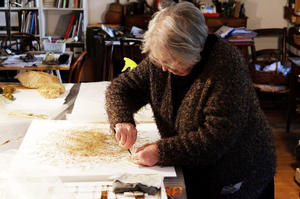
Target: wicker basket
[(269, 77)]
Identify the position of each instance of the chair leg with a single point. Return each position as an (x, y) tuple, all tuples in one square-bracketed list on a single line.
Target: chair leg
[(59, 76), (288, 122), (291, 99), (111, 65), (104, 63)]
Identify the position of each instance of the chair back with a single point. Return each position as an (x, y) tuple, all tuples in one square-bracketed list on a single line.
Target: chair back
[(131, 48), (267, 56), (275, 54), (21, 42), (77, 68)]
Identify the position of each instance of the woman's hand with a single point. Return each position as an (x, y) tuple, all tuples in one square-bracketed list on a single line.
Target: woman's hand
[(125, 134), (146, 155)]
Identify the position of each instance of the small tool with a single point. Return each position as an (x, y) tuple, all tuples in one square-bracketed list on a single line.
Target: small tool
[(114, 131), (70, 98)]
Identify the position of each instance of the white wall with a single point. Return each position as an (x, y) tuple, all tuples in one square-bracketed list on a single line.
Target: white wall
[(260, 13), (265, 13), (98, 8)]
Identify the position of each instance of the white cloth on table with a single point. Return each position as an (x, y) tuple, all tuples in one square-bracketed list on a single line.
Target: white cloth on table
[(90, 105)]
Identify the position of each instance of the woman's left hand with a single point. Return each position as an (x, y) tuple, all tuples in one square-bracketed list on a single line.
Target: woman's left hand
[(146, 155)]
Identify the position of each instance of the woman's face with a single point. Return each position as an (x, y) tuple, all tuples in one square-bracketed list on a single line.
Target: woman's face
[(175, 67), (179, 71)]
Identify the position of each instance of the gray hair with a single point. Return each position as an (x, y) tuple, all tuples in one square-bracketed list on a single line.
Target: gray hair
[(178, 30)]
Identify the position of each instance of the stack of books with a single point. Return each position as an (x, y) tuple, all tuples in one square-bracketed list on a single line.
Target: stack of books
[(30, 22), (50, 3), (241, 36), (24, 3), (74, 27), (69, 3), (224, 31)]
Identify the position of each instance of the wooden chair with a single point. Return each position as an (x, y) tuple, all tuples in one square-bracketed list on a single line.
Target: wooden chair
[(294, 94), (131, 48), (272, 82), (128, 48), (21, 42), (77, 68), (294, 80)]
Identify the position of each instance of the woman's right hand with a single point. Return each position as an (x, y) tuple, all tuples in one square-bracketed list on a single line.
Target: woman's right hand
[(125, 134)]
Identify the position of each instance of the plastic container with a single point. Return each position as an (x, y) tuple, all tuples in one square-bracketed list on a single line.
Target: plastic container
[(58, 47)]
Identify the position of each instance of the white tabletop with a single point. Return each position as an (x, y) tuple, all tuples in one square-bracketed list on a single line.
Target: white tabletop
[(88, 108)]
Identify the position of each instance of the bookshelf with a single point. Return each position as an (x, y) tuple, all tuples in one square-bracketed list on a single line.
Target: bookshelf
[(56, 18), (24, 17), (52, 20)]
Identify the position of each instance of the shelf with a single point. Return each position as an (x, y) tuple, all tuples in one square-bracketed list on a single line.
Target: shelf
[(52, 21), (63, 9), (17, 9), (214, 23)]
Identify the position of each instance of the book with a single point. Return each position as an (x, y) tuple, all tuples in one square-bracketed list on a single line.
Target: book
[(59, 4), (241, 43), (74, 31), (71, 4), (28, 21), (35, 23), (32, 23), (69, 27), (224, 31), (65, 4), (79, 25), (72, 34), (211, 14), (242, 40), (23, 21)]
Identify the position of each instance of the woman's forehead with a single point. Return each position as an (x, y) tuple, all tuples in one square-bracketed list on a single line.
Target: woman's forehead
[(163, 55)]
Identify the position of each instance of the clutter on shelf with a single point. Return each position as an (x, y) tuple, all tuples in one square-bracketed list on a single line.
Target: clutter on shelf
[(216, 8)]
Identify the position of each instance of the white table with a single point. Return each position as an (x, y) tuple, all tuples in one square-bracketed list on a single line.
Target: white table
[(89, 96)]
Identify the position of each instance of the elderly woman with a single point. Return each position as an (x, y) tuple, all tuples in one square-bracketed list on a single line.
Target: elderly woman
[(204, 105)]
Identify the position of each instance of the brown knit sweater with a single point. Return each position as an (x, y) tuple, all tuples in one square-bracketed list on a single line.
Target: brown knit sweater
[(219, 124)]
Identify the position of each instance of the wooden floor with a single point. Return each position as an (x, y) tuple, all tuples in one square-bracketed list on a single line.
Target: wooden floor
[(285, 185)]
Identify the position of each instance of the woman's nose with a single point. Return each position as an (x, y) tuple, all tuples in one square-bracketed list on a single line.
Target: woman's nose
[(164, 69)]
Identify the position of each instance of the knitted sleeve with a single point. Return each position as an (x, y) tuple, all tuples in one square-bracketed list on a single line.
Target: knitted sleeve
[(127, 93)]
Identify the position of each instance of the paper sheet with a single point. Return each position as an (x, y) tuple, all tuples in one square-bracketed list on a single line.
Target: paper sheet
[(50, 159), (90, 105), (12, 133), (16, 61), (14, 184), (31, 102)]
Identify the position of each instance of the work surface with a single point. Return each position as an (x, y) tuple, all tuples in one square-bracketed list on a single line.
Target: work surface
[(16, 62), (87, 110)]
